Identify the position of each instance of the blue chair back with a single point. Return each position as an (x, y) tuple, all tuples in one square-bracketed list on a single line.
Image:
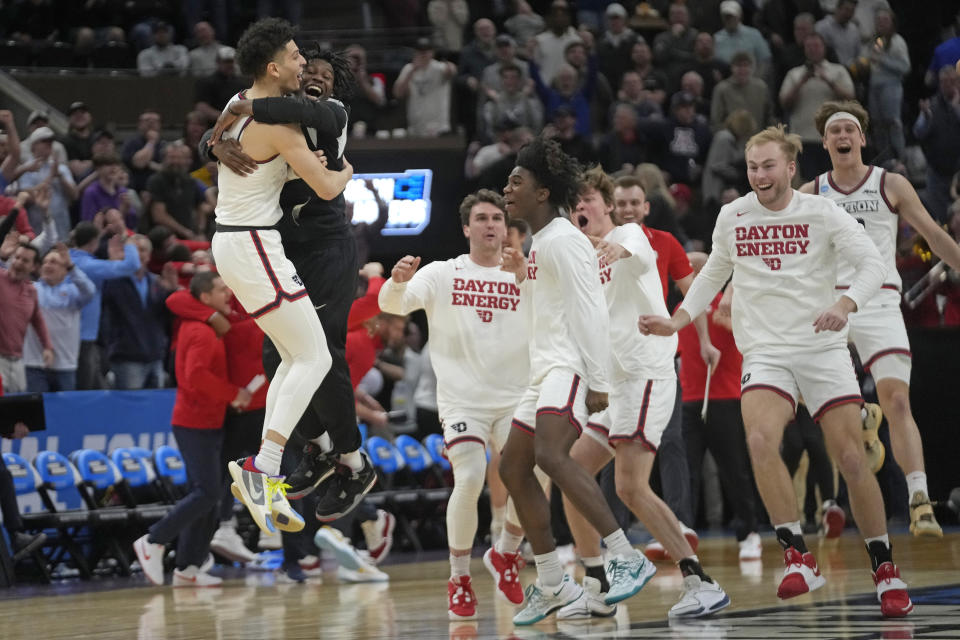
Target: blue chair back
[(169, 464), (140, 452), (96, 468), (414, 454), (382, 454), (24, 476), (434, 446), (55, 470), (364, 430), (133, 468)]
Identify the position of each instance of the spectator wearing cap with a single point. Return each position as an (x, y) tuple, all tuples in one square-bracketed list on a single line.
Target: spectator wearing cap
[(134, 318), (213, 92), (742, 90), (505, 51), (79, 140), (736, 36), (86, 238), (175, 199), (707, 65), (143, 152), (681, 142), (448, 18), (840, 32), (512, 103), (18, 302), (552, 43), (204, 56), (673, 48), (803, 91), (44, 168), (525, 24), (105, 192), (509, 138), (624, 147), (163, 57), (62, 291), (37, 119), (616, 43), (425, 84)]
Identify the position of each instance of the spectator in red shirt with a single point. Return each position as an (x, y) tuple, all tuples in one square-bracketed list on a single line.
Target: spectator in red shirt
[(19, 308), (722, 432), (203, 396)]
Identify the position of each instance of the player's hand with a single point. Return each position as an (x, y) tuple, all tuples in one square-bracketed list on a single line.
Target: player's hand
[(514, 262), (347, 167), (372, 270), (20, 430), (597, 401), (48, 358), (656, 326), (405, 268), (242, 400), (832, 319), (710, 355), (610, 252), (231, 154), (219, 323), (225, 121), (321, 156)]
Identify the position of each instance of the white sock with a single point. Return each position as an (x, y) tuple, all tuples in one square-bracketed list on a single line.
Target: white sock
[(549, 569), (459, 565), (268, 460), (592, 562), (618, 544), (916, 481), (885, 539), (352, 460), (508, 542), (497, 517), (324, 442)]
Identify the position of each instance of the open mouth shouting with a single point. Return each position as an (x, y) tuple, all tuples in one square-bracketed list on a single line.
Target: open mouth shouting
[(844, 147), (314, 90), (582, 221)]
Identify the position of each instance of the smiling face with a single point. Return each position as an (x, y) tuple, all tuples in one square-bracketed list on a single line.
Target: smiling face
[(592, 215), (487, 230), (769, 173), (318, 80), (631, 204), (843, 140), (287, 67), (52, 269)]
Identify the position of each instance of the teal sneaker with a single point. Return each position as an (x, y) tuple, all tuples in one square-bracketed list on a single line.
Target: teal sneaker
[(541, 602), (627, 576)]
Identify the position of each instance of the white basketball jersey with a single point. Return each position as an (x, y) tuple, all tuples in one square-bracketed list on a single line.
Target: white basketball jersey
[(868, 205), (252, 200)]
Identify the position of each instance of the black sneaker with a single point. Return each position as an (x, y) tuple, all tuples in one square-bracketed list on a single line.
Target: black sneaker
[(24, 543), (345, 490), (315, 466)]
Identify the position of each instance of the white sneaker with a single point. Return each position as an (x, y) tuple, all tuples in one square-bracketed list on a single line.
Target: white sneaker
[(589, 606), (250, 486), (285, 517), (150, 556), (751, 548), (627, 575), (228, 543), (193, 577), (699, 599), (379, 535), (270, 541), (363, 573), (330, 539), (311, 566), (541, 602)]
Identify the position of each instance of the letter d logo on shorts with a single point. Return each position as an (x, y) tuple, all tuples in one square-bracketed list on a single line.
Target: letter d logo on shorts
[(745, 379)]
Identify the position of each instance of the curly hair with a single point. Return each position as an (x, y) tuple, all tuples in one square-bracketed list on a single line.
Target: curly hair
[(554, 170), (852, 107), (261, 43), (344, 82)]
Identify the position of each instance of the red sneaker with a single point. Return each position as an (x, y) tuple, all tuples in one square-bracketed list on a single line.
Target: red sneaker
[(505, 569), (834, 520), (655, 551), (801, 575), (461, 599), (892, 591), (379, 535)]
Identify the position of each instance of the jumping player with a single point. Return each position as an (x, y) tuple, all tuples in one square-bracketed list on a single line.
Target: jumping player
[(478, 347), (569, 355), (878, 200), (783, 248)]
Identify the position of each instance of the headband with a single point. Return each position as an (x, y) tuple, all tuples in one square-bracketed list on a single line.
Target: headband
[(842, 115)]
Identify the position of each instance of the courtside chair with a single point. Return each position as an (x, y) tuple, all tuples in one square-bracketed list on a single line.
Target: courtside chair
[(25, 480), (170, 469), (140, 490), (102, 487), (58, 474)]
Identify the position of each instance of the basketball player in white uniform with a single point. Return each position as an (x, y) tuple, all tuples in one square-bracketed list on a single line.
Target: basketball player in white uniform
[(479, 331), (251, 260), (783, 248), (644, 389), (878, 200)]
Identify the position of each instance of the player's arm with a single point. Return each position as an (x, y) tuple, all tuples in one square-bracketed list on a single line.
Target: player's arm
[(708, 353), (585, 308), (291, 144), (407, 289), (904, 197), (853, 245), (328, 118)]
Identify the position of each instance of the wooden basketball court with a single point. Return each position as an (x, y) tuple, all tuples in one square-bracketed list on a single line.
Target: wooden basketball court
[(413, 604)]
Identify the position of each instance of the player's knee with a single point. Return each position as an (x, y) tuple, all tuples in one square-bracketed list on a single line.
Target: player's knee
[(550, 460), (469, 462), (760, 446), (632, 494), (898, 406), (851, 460)]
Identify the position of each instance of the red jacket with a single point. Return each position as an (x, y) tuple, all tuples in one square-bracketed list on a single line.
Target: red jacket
[(243, 343), (203, 391), (672, 260), (725, 381)]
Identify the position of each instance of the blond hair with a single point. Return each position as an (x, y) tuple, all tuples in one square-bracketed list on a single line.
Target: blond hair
[(595, 178), (852, 107), (789, 143)]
